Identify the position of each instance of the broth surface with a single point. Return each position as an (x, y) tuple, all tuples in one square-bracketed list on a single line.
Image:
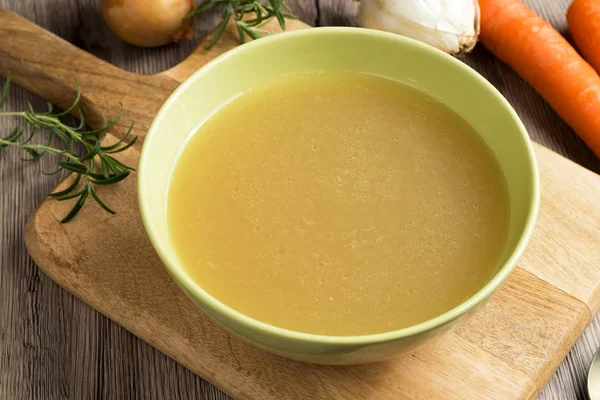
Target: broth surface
[(338, 203)]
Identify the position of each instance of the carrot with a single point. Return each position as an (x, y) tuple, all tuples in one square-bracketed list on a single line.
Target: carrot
[(583, 17), (537, 52)]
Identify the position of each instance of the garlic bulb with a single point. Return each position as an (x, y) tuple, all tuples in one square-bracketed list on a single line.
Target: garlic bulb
[(449, 25)]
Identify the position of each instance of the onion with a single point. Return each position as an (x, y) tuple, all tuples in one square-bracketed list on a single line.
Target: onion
[(148, 23), (449, 25)]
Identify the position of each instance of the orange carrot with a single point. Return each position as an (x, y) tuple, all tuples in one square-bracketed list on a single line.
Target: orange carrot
[(584, 23), (537, 52)]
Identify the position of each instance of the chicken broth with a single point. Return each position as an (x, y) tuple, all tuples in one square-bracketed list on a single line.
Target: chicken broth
[(338, 203)]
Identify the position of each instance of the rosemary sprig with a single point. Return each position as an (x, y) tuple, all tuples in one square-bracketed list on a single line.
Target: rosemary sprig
[(96, 166), (249, 15)]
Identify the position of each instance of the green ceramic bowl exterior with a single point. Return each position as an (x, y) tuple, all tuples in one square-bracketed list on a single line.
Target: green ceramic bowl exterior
[(362, 50)]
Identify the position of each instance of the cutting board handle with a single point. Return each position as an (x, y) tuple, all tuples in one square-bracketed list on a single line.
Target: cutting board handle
[(48, 66), (51, 67)]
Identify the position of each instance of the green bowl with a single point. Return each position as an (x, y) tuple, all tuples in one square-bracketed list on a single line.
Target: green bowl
[(355, 49)]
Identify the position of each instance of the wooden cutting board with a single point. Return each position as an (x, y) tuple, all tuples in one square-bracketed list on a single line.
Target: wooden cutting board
[(507, 350)]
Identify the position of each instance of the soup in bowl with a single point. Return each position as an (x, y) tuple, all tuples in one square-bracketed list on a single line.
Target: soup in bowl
[(338, 195)]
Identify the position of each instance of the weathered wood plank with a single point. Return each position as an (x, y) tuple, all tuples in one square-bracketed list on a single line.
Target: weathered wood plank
[(53, 346)]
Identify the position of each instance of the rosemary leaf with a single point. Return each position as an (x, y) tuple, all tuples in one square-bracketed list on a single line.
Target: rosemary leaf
[(93, 151), (118, 143), (70, 196), (218, 33), (249, 16), (5, 90), (69, 189), (100, 202), (73, 167), (30, 123), (110, 180), (72, 106), (77, 207), (120, 149)]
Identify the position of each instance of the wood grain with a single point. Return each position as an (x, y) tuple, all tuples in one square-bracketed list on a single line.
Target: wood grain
[(55, 347), (43, 63), (506, 351)]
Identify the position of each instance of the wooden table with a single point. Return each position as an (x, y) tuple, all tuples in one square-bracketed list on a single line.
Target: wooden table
[(53, 346)]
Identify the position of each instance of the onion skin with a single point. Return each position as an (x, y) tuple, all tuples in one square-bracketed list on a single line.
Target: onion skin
[(148, 23)]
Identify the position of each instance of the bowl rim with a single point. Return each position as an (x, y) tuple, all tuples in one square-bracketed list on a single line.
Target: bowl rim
[(206, 300)]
